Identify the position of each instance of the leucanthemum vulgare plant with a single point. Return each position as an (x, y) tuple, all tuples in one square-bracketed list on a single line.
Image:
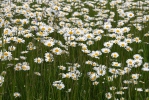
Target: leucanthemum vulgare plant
[(74, 49)]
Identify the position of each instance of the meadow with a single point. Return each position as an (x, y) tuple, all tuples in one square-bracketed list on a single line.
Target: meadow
[(74, 50)]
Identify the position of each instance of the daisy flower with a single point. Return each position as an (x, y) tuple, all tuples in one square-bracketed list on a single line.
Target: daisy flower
[(105, 50), (108, 95), (38, 60), (130, 14), (57, 51), (16, 94), (114, 55), (1, 79)]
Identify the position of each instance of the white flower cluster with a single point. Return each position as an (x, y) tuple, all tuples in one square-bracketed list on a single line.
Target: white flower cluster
[(58, 84)]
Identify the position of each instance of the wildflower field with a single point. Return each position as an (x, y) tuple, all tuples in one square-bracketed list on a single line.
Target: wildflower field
[(74, 50)]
